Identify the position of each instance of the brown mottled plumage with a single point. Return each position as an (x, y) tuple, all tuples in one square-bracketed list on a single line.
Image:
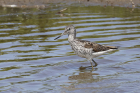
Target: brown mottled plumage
[(96, 47)]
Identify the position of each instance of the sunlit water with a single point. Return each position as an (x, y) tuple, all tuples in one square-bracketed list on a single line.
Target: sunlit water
[(32, 61)]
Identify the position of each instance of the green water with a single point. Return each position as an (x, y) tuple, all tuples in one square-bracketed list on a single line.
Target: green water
[(31, 61)]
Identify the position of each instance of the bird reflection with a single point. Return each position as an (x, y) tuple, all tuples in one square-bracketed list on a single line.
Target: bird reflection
[(83, 76)]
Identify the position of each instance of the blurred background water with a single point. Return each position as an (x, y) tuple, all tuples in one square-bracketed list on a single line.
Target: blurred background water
[(31, 61)]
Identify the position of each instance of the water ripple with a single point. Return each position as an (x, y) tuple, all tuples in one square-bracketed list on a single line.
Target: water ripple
[(32, 61)]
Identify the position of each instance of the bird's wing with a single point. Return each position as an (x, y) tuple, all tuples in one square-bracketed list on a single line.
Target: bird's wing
[(96, 47)]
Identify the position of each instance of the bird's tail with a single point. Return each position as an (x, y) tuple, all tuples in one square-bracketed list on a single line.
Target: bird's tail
[(113, 47)]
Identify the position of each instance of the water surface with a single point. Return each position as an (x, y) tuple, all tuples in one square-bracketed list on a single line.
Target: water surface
[(32, 61)]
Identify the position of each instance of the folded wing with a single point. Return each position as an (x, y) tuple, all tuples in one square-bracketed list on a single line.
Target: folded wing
[(97, 47)]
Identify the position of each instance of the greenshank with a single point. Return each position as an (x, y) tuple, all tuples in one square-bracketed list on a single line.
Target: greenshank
[(83, 48)]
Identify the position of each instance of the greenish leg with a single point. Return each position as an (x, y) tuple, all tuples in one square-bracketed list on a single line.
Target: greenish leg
[(94, 63), (91, 64)]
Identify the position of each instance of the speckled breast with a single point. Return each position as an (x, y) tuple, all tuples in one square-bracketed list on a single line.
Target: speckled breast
[(81, 51)]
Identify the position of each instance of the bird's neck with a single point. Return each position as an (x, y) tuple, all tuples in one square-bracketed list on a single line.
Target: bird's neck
[(71, 37)]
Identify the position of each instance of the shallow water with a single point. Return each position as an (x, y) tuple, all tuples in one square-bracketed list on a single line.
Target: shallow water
[(32, 61)]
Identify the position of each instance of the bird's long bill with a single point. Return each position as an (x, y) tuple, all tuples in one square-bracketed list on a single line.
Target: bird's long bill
[(57, 37), (60, 35)]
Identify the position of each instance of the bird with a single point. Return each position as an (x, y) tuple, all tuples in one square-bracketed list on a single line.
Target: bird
[(84, 48)]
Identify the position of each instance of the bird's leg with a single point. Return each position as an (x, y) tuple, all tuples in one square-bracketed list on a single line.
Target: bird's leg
[(91, 64), (94, 63)]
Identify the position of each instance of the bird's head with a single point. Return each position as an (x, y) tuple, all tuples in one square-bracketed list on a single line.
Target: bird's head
[(70, 29)]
